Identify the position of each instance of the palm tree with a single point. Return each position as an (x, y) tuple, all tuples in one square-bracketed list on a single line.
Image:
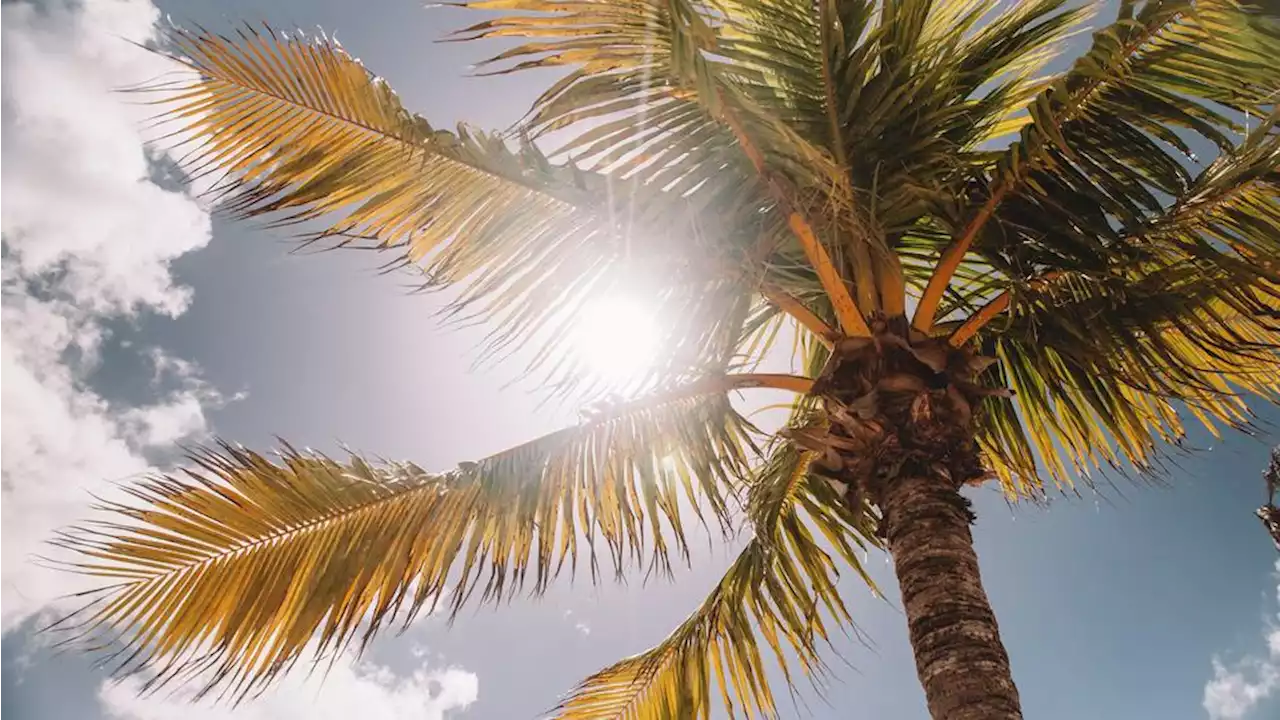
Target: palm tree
[(1269, 514), (994, 274)]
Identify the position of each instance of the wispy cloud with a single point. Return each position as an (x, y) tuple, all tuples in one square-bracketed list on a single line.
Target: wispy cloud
[(580, 625), (1238, 688), (360, 690)]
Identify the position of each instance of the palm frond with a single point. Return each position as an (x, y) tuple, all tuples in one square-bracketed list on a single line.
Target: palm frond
[(924, 83), (779, 589), (1110, 141), (229, 573), (654, 78), (673, 93), (1104, 360), (297, 127), (1102, 371), (301, 132), (683, 95)]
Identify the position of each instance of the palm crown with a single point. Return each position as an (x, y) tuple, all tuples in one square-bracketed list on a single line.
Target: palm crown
[(992, 273)]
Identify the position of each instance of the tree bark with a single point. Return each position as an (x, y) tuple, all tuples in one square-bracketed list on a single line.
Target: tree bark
[(961, 662)]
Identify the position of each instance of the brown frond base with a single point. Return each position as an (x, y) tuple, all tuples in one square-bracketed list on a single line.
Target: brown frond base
[(900, 406), (1270, 516)]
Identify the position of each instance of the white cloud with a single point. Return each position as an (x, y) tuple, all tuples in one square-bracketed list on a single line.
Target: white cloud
[(348, 690), (78, 203), (88, 238), (1235, 690), (163, 425)]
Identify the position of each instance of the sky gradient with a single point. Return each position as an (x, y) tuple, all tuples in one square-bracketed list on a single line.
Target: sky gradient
[(134, 320)]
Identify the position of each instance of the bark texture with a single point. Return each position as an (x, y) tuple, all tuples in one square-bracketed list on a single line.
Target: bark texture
[(960, 659)]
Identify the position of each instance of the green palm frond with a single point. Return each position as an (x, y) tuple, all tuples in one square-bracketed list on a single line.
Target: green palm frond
[(229, 573), (1104, 360), (301, 132), (923, 83), (793, 73), (779, 589), (1230, 214), (1102, 370), (1111, 140)]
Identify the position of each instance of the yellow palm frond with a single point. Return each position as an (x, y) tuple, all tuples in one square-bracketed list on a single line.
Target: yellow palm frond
[(301, 132), (685, 97), (778, 590), (230, 572), (656, 76), (296, 126)]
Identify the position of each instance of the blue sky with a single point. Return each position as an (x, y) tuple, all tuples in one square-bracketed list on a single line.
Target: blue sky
[(132, 320)]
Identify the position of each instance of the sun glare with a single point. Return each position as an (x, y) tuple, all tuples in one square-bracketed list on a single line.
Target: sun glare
[(616, 339)]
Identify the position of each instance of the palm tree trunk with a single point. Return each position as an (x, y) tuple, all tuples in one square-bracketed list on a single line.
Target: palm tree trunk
[(961, 662)]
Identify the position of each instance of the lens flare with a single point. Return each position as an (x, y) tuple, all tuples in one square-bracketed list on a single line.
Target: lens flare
[(616, 338)]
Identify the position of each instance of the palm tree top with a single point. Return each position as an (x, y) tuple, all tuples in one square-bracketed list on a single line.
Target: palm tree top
[(900, 178)]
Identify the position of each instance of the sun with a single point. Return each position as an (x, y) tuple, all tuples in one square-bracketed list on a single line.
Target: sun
[(616, 338)]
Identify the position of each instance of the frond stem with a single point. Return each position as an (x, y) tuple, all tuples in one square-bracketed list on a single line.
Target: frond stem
[(708, 386), (991, 310), (851, 321), (790, 305), (954, 254), (950, 262)]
